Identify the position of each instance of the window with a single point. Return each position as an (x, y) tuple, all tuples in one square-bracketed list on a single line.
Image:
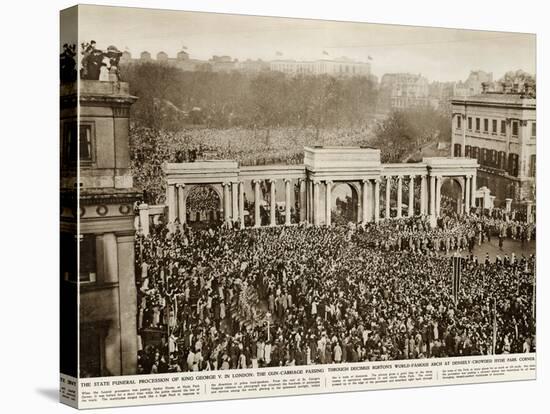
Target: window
[(458, 150), (87, 258), (503, 127), (478, 124), (515, 128), (459, 121), (470, 123), (85, 142), (513, 165), (495, 123), (533, 130), (485, 125), (467, 151), (533, 165), (69, 142)]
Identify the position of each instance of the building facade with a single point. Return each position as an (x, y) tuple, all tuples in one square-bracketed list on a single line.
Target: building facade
[(342, 67), (95, 143), (403, 90), (499, 130)]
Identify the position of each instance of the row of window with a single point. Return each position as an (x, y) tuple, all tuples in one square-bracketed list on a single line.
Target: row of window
[(493, 126), (496, 159)]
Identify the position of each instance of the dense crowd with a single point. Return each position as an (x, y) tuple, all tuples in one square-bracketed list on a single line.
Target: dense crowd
[(224, 299), (451, 233)]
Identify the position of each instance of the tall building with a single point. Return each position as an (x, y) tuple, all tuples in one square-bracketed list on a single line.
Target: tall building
[(472, 85), (342, 67), (403, 90), (499, 130)]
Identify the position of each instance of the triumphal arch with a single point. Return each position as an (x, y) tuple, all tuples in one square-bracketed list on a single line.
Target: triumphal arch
[(305, 190)]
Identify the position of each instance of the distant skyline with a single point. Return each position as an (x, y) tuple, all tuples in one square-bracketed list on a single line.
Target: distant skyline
[(438, 54)]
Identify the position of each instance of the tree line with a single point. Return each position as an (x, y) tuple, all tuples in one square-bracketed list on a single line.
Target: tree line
[(171, 99)]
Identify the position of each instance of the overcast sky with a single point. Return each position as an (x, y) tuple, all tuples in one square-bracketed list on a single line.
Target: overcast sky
[(439, 54)]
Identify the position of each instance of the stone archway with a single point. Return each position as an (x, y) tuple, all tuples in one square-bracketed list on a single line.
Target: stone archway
[(452, 191), (344, 203), (203, 205)]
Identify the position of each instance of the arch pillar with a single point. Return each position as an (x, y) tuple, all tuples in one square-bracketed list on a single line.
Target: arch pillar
[(241, 204), (388, 197), (182, 208), (303, 203), (287, 201), (439, 183), (432, 195), (272, 206), (171, 200), (226, 202), (467, 194), (257, 219), (364, 201), (399, 195), (328, 202), (377, 200), (411, 195), (316, 203), (423, 194), (473, 186), (235, 201)]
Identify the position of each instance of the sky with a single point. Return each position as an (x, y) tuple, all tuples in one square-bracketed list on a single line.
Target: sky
[(439, 54)]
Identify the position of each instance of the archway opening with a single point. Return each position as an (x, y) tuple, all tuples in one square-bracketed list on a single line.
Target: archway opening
[(203, 206), (451, 197), (344, 204)]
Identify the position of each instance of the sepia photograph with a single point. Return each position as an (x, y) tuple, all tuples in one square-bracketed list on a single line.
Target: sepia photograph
[(246, 192)]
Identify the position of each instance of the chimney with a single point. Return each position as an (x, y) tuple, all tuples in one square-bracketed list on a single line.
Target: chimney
[(484, 87)]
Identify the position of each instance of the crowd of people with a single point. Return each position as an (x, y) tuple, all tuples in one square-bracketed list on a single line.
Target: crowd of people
[(232, 299), (452, 233)]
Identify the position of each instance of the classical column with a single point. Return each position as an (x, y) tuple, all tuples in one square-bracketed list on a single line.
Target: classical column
[(171, 196), (399, 195), (144, 218), (467, 193), (411, 195), (364, 201), (423, 194), (388, 196), (328, 200), (287, 201), (303, 206), (316, 203), (226, 202), (272, 207), (182, 212), (309, 201), (110, 258), (241, 204), (432, 195), (438, 182), (127, 300), (235, 200), (474, 189), (377, 200), (257, 219)]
